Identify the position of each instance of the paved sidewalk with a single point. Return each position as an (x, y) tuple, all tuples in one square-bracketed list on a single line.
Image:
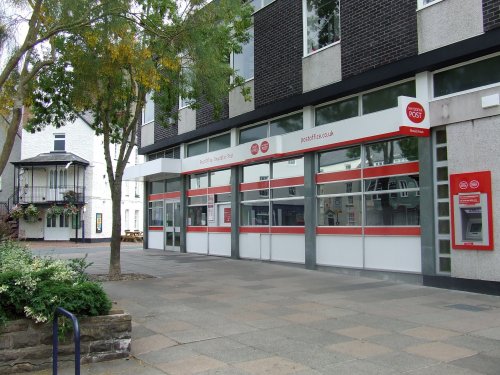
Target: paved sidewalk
[(209, 315)]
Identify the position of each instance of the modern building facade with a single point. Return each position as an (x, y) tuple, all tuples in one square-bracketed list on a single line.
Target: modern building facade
[(368, 145), (62, 173)]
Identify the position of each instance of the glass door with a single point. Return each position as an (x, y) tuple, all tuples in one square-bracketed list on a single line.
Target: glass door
[(172, 225)]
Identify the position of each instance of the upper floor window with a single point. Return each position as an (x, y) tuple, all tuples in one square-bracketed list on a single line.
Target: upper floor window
[(322, 23), (281, 125), (259, 4), (466, 77), (59, 142), (148, 113), (187, 77), (243, 63), (218, 142)]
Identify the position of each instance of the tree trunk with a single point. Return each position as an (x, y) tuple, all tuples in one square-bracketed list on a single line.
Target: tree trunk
[(116, 229), (10, 138)]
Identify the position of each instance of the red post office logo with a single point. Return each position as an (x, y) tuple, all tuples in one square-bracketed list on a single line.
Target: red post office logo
[(415, 112), (463, 185), (474, 184), (264, 146), (254, 149)]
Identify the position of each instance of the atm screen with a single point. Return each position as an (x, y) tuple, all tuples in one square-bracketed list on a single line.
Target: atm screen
[(475, 227)]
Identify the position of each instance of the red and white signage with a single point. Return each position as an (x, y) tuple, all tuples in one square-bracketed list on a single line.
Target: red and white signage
[(227, 215), (411, 117)]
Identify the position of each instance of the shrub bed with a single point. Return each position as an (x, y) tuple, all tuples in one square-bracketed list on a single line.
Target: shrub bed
[(33, 287)]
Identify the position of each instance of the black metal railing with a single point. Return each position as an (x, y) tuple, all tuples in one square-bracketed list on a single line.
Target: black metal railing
[(55, 339), (55, 195)]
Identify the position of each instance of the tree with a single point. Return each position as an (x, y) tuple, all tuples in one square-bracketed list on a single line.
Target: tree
[(46, 19), (166, 47)]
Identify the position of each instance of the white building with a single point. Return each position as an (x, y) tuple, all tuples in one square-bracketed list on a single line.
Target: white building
[(63, 169)]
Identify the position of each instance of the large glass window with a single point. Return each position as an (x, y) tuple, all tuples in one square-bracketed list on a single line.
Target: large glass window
[(219, 142), (466, 77), (173, 184), (198, 181), (337, 111), (287, 124), (387, 98), (220, 178), (388, 200), (243, 63), (254, 133), (255, 213), (288, 168), (256, 172), (340, 160), (197, 148), (322, 23), (156, 187)]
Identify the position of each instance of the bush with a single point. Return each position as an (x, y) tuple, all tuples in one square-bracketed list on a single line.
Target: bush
[(34, 286)]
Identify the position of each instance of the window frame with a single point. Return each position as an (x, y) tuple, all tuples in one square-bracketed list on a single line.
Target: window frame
[(232, 58), (306, 53), (60, 137), (149, 98)]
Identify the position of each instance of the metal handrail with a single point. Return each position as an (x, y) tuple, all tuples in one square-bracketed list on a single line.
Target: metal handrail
[(55, 339)]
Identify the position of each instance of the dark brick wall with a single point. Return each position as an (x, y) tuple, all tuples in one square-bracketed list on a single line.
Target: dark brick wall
[(375, 33), (278, 51), (491, 14), (205, 114), (163, 131)]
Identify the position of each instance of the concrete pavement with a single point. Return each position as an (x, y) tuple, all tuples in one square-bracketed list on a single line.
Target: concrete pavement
[(210, 315)]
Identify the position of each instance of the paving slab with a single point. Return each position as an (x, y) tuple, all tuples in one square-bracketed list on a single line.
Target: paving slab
[(213, 315)]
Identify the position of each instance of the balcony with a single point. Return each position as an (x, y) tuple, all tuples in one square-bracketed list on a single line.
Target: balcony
[(50, 195)]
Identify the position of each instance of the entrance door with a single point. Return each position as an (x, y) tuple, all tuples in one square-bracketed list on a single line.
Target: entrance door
[(57, 228), (172, 225)]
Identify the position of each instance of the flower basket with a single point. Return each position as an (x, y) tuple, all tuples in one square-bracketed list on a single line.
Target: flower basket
[(55, 211), (17, 212), (31, 213), (70, 209)]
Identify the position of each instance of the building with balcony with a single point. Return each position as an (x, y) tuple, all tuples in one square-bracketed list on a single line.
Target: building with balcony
[(62, 173), (368, 145)]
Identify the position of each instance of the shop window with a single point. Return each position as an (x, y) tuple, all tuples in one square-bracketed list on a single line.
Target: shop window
[(288, 212), (340, 211), (220, 178), (337, 111), (342, 187), (387, 98), (223, 198), (391, 152), (254, 195), (243, 62), (339, 160), (288, 192), (51, 221), (467, 77), (198, 181), (197, 215), (286, 125), (255, 213), (322, 23), (388, 211), (197, 148), (64, 221), (59, 142), (253, 133), (155, 213), (219, 142), (256, 172)]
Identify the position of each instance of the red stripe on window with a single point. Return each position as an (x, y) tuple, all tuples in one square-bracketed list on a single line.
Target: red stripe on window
[(392, 231), (288, 230), (339, 230), (291, 181), (219, 229), (155, 228), (219, 189), (254, 185), (196, 229), (254, 229), (172, 195), (353, 174), (196, 192), (393, 169)]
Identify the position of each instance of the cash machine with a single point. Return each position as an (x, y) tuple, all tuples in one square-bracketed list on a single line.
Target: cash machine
[(471, 211)]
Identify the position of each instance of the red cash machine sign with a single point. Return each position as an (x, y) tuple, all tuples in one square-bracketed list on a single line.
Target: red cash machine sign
[(469, 199)]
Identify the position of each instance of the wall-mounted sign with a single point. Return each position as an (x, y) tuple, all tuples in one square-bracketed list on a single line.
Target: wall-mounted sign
[(471, 211), (98, 222), (227, 215), (210, 207)]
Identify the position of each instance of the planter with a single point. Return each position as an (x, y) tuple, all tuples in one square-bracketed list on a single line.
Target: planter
[(27, 346)]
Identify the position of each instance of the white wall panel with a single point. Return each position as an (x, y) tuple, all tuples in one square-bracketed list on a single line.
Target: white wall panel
[(343, 251), (197, 243), (219, 244), (288, 248), (393, 253), (250, 245), (155, 239)]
